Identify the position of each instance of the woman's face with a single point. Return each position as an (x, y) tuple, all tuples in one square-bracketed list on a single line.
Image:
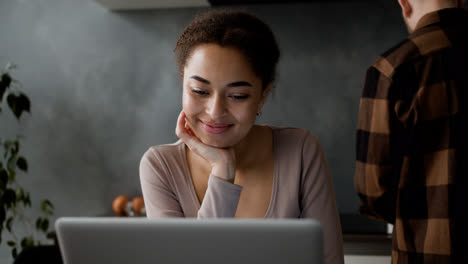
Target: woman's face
[(221, 95)]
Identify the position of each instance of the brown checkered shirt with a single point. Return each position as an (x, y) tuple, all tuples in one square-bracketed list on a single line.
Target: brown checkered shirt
[(408, 138)]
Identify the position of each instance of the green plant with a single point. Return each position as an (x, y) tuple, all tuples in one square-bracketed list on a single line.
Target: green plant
[(14, 200)]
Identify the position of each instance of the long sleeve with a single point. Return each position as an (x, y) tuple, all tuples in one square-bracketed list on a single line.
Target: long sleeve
[(374, 178), (167, 193), (318, 198), (160, 199), (221, 199)]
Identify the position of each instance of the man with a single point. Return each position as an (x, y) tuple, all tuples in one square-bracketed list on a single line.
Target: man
[(412, 132)]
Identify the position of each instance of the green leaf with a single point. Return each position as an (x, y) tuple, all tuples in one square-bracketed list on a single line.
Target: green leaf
[(3, 179), (24, 242), (45, 225), (27, 242), (5, 154), (6, 79), (2, 215), (47, 207), (18, 104), (39, 223), (11, 243), (22, 164), (11, 164), (14, 252), (3, 88), (9, 198), (8, 143), (8, 223), (27, 200), (12, 176), (4, 84), (11, 149), (46, 203), (19, 194), (16, 145)]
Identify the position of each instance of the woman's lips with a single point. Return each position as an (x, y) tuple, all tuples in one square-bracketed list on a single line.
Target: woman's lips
[(215, 128)]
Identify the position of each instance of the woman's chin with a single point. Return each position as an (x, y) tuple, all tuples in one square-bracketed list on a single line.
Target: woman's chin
[(217, 144)]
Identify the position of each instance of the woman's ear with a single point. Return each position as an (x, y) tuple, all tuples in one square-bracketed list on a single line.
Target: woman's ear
[(265, 93), (406, 8)]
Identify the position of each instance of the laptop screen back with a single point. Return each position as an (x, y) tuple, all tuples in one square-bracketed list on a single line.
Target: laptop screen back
[(176, 241)]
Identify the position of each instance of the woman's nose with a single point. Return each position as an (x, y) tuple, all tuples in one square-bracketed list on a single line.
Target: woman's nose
[(216, 107)]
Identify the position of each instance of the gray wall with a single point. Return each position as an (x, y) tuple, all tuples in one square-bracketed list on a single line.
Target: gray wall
[(104, 87)]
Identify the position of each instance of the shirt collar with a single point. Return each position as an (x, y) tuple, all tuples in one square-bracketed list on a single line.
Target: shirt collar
[(428, 19), (434, 17)]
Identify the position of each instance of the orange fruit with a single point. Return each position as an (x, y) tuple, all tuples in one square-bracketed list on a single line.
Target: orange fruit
[(138, 205), (120, 205)]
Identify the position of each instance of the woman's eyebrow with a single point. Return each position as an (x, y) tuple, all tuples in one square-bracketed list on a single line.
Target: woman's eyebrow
[(241, 83), (233, 84), (200, 79)]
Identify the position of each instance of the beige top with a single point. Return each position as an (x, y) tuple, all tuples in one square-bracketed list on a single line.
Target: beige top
[(302, 186)]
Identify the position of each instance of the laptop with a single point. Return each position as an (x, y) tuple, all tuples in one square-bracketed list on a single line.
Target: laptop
[(185, 240)]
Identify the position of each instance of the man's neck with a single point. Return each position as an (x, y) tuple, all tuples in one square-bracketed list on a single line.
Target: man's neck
[(432, 6), (423, 8)]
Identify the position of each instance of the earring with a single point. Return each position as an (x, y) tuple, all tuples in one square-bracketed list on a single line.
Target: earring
[(259, 112)]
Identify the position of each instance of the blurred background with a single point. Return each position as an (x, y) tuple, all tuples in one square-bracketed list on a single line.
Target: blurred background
[(104, 88)]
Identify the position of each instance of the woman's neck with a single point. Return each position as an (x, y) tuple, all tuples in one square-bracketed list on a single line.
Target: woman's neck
[(254, 147)]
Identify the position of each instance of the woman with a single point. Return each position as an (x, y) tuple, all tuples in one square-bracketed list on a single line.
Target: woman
[(224, 165)]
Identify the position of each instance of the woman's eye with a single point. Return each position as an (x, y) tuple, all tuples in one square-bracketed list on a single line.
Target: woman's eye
[(240, 96), (200, 92)]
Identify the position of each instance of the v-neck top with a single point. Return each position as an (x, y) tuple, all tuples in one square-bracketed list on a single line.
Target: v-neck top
[(302, 186), (221, 198)]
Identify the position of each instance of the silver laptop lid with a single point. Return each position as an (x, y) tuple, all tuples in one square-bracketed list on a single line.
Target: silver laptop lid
[(185, 240)]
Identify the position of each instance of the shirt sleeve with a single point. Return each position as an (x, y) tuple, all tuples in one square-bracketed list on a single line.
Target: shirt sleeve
[(221, 199), (374, 178), (318, 198), (160, 199)]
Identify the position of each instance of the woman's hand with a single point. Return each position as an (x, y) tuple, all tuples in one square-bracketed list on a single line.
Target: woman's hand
[(222, 161)]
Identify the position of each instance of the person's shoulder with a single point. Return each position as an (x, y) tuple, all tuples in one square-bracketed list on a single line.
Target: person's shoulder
[(418, 46), (403, 52), (166, 152), (294, 136), (158, 161), (289, 130)]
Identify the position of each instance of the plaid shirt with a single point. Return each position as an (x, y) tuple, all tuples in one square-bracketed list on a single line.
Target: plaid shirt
[(408, 138)]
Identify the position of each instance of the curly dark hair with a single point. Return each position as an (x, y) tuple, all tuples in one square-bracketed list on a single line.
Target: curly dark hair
[(232, 28)]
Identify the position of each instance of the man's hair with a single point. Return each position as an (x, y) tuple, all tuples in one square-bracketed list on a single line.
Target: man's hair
[(232, 28)]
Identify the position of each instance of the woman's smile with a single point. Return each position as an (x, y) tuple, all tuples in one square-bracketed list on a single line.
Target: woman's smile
[(215, 128)]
